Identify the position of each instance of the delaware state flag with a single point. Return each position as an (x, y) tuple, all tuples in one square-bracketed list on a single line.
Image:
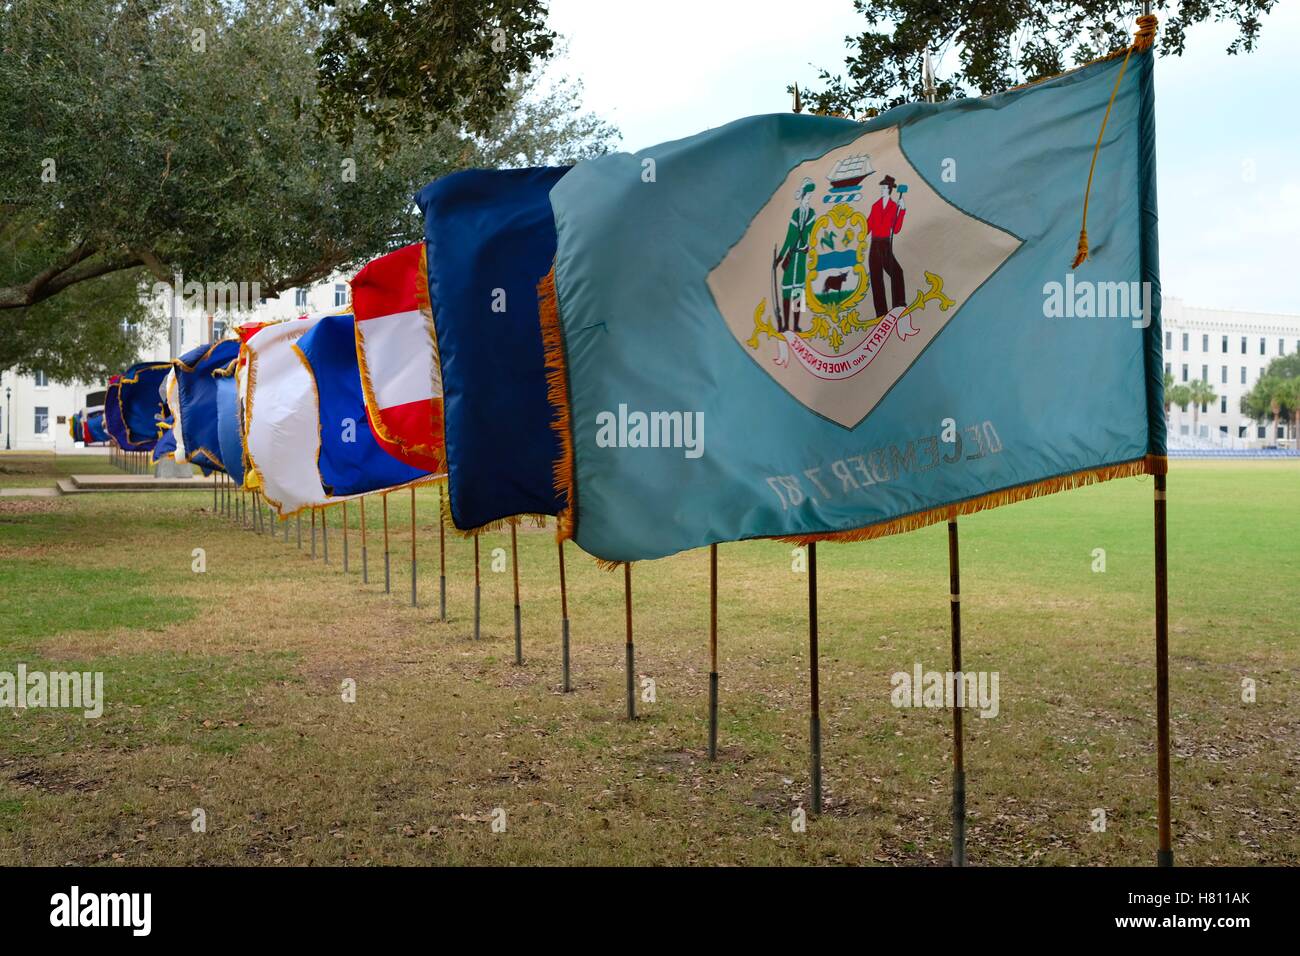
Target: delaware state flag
[(807, 327)]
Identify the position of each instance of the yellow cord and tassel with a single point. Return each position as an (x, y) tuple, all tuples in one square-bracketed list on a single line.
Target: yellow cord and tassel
[(1142, 41)]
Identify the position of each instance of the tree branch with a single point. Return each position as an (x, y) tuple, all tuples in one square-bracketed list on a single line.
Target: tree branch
[(72, 268)]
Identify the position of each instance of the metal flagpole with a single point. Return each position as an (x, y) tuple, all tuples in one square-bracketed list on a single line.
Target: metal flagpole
[(365, 557), (564, 623), (325, 533), (958, 762), (514, 560), (387, 578), (313, 534), (442, 560), (713, 652), (413, 604), (345, 537), (299, 517), (630, 653), (216, 483), (1164, 824), (477, 592), (1165, 851), (815, 719)]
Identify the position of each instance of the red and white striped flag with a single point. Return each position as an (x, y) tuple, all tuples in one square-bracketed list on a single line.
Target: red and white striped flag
[(398, 355)]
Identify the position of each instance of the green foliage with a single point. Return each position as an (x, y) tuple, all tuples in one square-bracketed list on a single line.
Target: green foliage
[(412, 65), (1002, 44), (1202, 392), (1180, 395), (1276, 395), (89, 332), (183, 135)]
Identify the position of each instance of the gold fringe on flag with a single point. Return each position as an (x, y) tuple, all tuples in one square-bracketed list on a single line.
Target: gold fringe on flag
[(1147, 465), (437, 453), (500, 523), (1142, 41), (557, 393)]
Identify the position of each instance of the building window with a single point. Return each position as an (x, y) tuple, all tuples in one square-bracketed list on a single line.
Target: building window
[(1261, 346), (42, 426), (1225, 345), (41, 380), (340, 294), (1223, 375), (300, 298), (1169, 340), (1205, 373), (1203, 408), (1185, 346), (1184, 373), (1243, 375), (1262, 432), (1243, 345), (1223, 404), (1205, 343), (1281, 347), (1169, 369)]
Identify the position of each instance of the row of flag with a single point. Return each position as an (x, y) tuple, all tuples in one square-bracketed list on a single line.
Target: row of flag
[(790, 326), (794, 327)]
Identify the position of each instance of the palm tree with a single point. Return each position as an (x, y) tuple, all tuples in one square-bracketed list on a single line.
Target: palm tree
[(1291, 396), (1200, 393), (1179, 395), (1169, 384)]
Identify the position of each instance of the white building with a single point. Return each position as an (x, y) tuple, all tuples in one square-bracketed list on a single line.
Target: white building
[(34, 412), (1230, 350)]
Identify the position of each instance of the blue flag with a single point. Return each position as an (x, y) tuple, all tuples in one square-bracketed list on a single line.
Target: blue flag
[(95, 428), (138, 403), (198, 400), (166, 446), (810, 328), (351, 462), (490, 237), (229, 426), (114, 424)]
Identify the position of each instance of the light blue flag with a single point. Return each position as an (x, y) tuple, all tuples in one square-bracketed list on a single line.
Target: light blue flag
[(807, 327)]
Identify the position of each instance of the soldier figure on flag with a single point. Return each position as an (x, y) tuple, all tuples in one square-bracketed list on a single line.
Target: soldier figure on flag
[(884, 222), (793, 257)]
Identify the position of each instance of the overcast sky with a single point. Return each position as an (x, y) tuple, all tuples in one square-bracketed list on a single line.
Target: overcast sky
[(1228, 141)]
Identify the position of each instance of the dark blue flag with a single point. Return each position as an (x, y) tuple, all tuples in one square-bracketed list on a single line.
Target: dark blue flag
[(198, 400), (490, 238)]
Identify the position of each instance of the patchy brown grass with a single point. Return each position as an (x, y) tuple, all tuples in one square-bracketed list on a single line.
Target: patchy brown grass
[(233, 703)]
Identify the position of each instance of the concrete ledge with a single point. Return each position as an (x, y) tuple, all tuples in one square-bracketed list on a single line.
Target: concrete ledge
[(84, 483)]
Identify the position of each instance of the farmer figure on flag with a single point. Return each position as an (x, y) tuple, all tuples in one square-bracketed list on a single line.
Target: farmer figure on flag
[(884, 222), (793, 257)]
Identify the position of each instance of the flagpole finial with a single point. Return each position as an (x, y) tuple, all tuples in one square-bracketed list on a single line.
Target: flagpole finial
[(798, 103)]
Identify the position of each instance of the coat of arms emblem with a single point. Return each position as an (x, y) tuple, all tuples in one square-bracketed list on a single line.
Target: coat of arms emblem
[(852, 268)]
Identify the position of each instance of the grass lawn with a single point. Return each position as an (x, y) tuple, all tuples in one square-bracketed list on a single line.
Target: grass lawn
[(224, 690), (43, 469)]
